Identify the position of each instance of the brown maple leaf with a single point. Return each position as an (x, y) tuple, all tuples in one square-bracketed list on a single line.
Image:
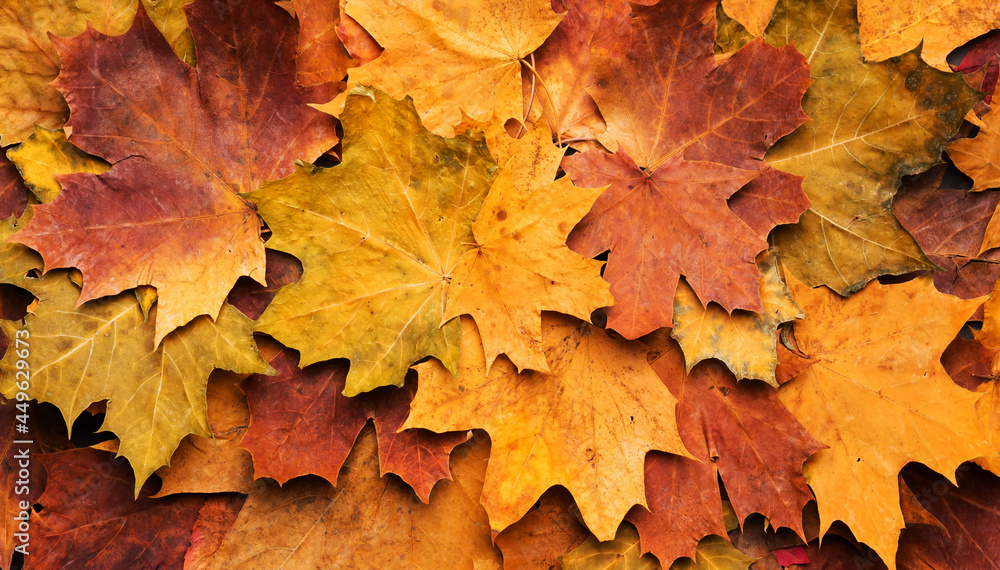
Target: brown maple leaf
[(950, 226), (369, 520), (301, 423), (183, 142), (704, 131), (544, 533)]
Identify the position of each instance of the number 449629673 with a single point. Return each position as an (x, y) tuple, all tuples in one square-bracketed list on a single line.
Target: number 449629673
[(22, 375)]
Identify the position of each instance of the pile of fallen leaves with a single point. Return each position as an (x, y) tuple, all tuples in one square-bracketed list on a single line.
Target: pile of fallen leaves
[(471, 283)]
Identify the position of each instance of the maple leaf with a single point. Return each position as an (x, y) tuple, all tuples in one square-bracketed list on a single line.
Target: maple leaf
[(715, 552), (878, 397), (302, 424), (561, 68), (665, 214), (322, 57), (521, 266), (740, 433), (47, 154), (979, 158), (402, 273), (32, 60), (544, 534), (965, 516), (622, 551), (89, 518), (890, 28), (214, 464), (13, 194), (601, 391), (308, 522), (451, 58), (214, 521), (754, 15), (374, 278), (251, 298), (872, 123), (744, 341), (985, 53), (178, 160), (105, 350), (950, 226)]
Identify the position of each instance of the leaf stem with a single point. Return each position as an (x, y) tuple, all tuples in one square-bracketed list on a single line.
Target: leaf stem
[(548, 96), (531, 101)]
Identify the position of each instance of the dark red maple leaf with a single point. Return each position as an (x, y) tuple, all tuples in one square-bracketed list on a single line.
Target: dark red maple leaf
[(89, 518), (690, 134), (251, 298), (969, 513), (985, 52), (740, 432), (13, 194), (301, 424)]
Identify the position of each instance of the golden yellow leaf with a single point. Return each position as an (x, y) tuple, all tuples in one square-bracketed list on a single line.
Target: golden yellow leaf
[(16, 260), (368, 521), (46, 154), (104, 350), (879, 398), (872, 123), (753, 14), (979, 158), (587, 426), (623, 552), (744, 341), (391, 254), (378, 236), (451, 57), (31, 61), (521, 266), (715, 553), (890, 28)]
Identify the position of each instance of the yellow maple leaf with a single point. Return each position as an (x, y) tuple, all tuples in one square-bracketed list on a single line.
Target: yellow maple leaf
[(879, 398), (46, 154), (890, 28), (521, 266), (391, 254), (743, 340), (451, 57), (587, 426), (872, 123)]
